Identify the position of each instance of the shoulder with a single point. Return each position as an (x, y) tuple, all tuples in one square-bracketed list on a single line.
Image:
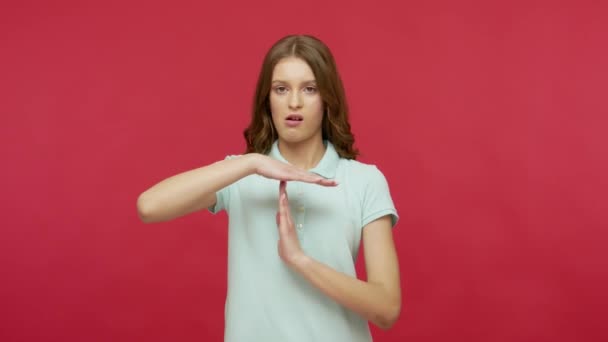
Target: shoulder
[(363, 179), (361, 172), (368, 183)]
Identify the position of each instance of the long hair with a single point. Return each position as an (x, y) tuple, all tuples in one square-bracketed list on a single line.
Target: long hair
[(261, 133)]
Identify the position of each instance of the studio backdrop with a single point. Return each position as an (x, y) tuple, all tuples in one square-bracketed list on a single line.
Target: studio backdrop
[(488, 118)]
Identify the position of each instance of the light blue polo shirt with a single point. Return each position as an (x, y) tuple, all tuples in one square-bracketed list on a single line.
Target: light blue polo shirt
[(266, 300)]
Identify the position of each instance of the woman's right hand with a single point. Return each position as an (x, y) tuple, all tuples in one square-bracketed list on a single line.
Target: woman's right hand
[(274, 169)]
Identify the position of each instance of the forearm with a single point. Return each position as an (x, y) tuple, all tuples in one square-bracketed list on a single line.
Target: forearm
[(372, 301), (192, 190)]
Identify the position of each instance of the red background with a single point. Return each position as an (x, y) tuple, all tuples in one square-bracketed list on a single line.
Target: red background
[(488, 119)]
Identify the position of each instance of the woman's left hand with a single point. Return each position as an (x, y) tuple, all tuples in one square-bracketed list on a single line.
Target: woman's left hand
[(289, 245)]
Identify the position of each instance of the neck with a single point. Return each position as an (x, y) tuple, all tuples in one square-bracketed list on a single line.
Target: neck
[(305, 154)]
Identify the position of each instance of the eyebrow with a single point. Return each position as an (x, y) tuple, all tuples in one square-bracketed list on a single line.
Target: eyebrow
[(304, 82)]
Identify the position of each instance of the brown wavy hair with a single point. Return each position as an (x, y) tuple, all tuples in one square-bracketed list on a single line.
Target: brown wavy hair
[(261, 134)]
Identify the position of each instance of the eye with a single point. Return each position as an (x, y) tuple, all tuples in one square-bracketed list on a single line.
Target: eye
[(280, 90), (310, 90)]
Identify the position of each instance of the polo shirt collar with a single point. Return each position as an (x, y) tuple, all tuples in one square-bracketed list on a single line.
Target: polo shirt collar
[(325, 168)]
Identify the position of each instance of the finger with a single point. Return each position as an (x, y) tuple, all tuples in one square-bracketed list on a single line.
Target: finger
[(282, 186), (287, 210), (314, 178), (282, 193), (327, 182), (323, 181), (282, 217), (282, 189)]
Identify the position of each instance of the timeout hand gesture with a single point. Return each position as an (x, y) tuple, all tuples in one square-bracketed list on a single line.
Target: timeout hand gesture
[(275, 169)]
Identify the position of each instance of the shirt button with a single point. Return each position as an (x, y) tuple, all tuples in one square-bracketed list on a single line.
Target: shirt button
[(299, 226)]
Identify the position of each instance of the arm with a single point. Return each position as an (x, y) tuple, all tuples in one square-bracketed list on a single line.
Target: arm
[(379, 298), (194, 190)]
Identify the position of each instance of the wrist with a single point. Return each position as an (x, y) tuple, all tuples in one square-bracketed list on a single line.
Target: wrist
[(252, 162), (300, 262)]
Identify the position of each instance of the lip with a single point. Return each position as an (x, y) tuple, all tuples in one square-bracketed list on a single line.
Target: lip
[(294, 116), (294, 119), (293, 123)]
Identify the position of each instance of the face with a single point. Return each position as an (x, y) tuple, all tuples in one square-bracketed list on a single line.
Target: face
[(295, 102)]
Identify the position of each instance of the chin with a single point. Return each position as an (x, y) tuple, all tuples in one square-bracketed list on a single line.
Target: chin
[(296, 138), (290, 139)]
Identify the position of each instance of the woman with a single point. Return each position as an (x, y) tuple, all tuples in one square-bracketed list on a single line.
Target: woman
[(291, 272)]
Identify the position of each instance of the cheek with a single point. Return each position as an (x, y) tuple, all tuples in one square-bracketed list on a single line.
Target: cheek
[(273, 103), (317, 107), (273, 110), (275, 106)]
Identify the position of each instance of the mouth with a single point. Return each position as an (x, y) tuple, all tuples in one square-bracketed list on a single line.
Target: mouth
[(294, 118)]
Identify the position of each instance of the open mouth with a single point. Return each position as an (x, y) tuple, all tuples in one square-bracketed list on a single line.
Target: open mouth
[(294, 117)]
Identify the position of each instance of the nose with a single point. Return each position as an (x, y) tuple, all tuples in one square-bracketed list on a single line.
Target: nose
[(295, 102)]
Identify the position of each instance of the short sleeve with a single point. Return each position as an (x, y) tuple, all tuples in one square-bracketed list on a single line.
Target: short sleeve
[(223, 195), (377, 200)]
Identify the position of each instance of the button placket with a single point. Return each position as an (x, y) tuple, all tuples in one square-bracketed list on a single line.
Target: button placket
[(299, 212)]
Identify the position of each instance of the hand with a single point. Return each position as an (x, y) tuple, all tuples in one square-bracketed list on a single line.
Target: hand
[(289, 245), (275, 169)]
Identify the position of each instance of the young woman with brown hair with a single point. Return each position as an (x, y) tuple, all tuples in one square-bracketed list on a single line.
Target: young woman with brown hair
[(291, 272)]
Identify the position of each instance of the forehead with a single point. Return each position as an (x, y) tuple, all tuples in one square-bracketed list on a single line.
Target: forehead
[(292, 69)]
